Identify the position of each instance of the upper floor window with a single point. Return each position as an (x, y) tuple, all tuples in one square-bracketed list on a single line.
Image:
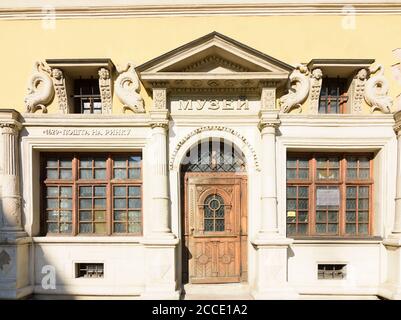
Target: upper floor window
[(329, 194), (83, 85), (92, 194), (333, 95), (87, 96)]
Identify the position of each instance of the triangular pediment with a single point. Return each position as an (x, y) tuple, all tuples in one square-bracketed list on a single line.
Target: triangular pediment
[(213, 56)]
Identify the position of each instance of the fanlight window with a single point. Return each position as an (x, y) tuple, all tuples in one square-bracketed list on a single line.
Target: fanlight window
[(213, 208), (214, 156)]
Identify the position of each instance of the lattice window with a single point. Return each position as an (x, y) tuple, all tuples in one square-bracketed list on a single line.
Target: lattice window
[(214, 156), (214, 208)]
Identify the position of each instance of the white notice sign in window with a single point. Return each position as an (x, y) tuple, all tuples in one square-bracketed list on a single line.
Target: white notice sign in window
[(328, 197)]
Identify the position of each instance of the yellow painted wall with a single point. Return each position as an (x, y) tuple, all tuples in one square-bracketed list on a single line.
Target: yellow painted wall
[(287, 38)]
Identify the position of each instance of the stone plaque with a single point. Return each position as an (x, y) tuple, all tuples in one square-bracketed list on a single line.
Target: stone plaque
[(328, 197)]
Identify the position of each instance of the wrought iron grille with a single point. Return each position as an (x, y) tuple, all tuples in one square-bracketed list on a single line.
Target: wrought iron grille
[(214, 156), (214, 213)]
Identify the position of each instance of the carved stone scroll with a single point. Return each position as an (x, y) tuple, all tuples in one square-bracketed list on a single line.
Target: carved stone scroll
[(61, 92), (105, 90), (376, 90), (127, 89), (316, 86), (40, 89), (358, 90), (298, 90)]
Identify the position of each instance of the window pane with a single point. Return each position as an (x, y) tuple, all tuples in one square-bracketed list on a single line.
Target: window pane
[(66, 192), (219, 225), (100, 174), (351, 204), (364, 173), (52, 204), (363, 204), (291, 174), (100, 163), (52, 174), (303, 204), (350, 228), (134, 191), (85, 203), (320, 228), (363, 229), (100, 203), (120, 228), (52, 162), (134, 215), (209, 225), (100, 215), (291, 163), (52, 215), (85, 216), (52, 191), (85, 228), (302, 228), (120, 173), (332, 228), (120, 162), (303, 192), (85, 173), (52, 227), (119, 191), (119, 215), (100, 191), (66, 204), (303, 173), (291, 192), (100, 228), (134, 173), (85, 163), (303, 216), (65, 227), (351, 174), (351, 192), (291, 204), (290, 228), (134, 227), (134, 161), (120, 203), (85, 191), (363, 216), (350, 216)]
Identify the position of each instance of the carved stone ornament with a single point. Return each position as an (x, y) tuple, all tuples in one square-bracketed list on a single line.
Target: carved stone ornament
[(376, 90), (61, 92), (212, 128), (127, 89), (359, 90), (105, 90), (298, 90), (268, 99), (159, 99), (316, 86), (40, 89)]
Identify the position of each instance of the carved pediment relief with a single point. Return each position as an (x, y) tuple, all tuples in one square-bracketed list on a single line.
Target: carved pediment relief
[(212, 57)]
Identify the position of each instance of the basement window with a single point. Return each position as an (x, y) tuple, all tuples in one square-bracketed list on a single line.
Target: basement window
[(89, 270), (331, 271)]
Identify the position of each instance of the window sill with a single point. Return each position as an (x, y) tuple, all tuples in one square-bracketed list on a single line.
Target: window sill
[(91, 239), (337, 240)]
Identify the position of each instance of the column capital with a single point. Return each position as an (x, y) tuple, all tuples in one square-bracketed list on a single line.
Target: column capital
[(159, 124), (10, 121), (397, 125)]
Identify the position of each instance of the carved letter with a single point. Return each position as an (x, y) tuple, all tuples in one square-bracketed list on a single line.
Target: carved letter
[(185, 105)]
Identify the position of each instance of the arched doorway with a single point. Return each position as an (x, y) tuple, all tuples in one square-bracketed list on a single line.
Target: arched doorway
[(214, 195)]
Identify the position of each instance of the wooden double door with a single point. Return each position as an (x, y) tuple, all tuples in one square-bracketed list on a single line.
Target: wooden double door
[(215, 231)]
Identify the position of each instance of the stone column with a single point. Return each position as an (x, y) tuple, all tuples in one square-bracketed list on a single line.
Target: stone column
[(160, 244), (14, 243), (268, 226), (396, 232), (271, 260), (11, 199), (160, 190), (391, 288)]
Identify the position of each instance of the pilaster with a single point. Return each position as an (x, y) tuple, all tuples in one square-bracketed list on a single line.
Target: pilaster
[(161, 243), (14, 243), (391, 289)]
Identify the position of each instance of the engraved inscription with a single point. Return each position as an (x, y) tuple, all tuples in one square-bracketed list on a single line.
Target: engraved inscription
[(87, 132), (214, 104)]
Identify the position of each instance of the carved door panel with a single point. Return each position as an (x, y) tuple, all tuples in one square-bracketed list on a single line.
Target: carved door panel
[(214, 235)]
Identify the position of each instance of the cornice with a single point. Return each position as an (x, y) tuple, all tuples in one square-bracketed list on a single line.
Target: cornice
[(234, 9)]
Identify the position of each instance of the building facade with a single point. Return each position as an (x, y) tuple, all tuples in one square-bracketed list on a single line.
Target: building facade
[(163, 149)]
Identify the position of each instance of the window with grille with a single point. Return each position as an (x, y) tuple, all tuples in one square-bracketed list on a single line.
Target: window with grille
[(87, 96), (333, 95), (89, 270), (96, 194), (213, 208), (214, 156), (329, 195), (331, 271)]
